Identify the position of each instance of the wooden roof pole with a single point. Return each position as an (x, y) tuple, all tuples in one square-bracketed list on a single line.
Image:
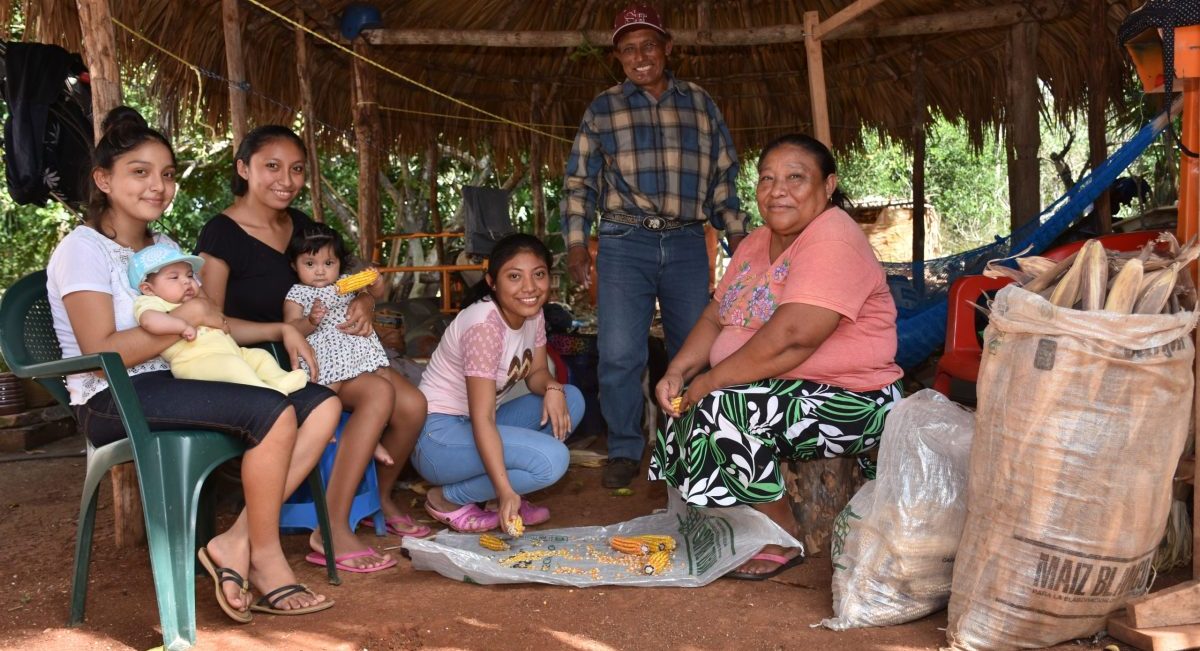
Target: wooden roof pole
[(956, 21), (920, 116), (1023, 138), (100, 46), (536, 191), (366, 137), (816, 80), (310, 121), (1097, 100), (235, 66), (814, 30)]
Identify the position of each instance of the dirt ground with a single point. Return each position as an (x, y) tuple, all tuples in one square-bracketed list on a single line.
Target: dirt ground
[(405, 609)]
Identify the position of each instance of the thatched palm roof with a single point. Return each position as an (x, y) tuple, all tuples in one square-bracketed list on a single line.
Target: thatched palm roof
[(762, 89)]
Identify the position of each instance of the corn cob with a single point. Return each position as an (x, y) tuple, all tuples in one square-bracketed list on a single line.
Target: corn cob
[(1157, 292), (676, 402), (996, 270), (627, 545), (1094, 275), (1035, 265), (515, 527), (657, 563), (1066, 293), (355, 282), (1047, 278), (657, 543), (1124, 291), (488, 541)]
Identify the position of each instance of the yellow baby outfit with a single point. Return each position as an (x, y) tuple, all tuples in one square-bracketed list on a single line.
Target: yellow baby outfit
[(215, 356)]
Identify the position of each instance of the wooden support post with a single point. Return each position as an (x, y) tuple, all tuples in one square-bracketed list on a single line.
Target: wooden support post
[(310, 119), (235, 67), (920, 116), (433, 156), (1097, 100), (536, 191), (100, 48), (5, 19), (816, 79), (366, 130), (99, 44), (1024, 190)]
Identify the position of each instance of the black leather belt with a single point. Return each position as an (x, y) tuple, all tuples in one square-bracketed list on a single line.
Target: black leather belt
[(650, 222)]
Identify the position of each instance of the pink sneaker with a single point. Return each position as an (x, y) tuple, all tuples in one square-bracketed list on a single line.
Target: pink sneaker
[(532, 514)]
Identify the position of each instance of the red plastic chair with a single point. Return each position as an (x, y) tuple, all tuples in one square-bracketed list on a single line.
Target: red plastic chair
[(1113, 242), (962, 353)]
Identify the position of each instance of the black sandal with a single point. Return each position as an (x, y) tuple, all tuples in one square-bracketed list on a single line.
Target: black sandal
[(272, 599), (219, 576)]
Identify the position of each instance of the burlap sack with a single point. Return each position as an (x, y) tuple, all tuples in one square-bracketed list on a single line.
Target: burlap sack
[(1081, 420)]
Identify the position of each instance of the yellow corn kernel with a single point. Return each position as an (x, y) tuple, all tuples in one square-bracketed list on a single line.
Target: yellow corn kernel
[(676, 402), (658, 543), (355, 282), (627, 545), (515, 527), (657, 563), (488, 541)]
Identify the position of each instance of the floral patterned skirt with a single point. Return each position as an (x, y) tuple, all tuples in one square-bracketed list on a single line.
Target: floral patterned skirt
[(727, 449)]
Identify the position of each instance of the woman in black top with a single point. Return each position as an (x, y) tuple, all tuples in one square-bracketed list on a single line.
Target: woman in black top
[(248, 274)]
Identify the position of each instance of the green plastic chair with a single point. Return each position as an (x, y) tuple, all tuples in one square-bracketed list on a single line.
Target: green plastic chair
[(171, 465)]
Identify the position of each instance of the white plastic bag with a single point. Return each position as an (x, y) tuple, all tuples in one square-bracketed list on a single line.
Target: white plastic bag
[(709, 544), (894, 543)]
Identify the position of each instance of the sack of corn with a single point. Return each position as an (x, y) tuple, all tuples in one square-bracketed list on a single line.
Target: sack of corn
[(1081, 419), (894, 543)]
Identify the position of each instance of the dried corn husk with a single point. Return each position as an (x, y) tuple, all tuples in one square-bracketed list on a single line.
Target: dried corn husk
[(1093, 277), (1123, 294), (1156, 293)]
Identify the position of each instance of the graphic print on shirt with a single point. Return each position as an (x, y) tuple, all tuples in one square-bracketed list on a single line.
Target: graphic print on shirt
[(518, 369)]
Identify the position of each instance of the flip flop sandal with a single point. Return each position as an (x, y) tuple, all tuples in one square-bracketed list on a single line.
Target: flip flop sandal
[(468, 518), (272, 599), (394, 524), (317, 558), (532, 514), (221, 575), (783, 563)]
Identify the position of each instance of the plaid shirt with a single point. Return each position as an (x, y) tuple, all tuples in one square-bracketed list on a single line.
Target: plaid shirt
[(672, 157)]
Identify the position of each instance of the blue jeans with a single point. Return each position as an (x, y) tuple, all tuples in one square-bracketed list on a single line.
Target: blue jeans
[(446, 455), (635, 267)]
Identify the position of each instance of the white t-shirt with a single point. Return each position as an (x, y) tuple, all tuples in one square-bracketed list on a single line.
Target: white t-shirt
[(479, 343), (86, 261)]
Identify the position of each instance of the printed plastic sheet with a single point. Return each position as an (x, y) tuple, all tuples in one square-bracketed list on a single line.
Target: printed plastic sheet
[(709, 544)]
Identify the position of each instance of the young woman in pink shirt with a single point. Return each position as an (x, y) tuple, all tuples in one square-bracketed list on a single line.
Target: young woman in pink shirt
[(793, 358), (472, 448)]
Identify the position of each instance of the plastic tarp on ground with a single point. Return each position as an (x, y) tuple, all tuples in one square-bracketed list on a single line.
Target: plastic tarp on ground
[(709, 544)]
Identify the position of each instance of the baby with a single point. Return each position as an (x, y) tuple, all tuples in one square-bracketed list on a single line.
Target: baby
[(166, 278)]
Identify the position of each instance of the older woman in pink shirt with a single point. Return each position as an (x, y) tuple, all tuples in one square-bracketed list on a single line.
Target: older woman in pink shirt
[(793, 358)]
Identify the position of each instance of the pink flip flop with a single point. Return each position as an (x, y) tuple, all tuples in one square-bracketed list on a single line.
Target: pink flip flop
[(394, 524), (466, 519), (532, 514), (317, 558)]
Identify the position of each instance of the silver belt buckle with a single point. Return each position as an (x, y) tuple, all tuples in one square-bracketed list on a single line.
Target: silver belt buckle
[(654, 223)]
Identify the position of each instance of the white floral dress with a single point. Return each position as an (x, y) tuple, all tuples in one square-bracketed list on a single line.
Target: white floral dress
[(340, 356)]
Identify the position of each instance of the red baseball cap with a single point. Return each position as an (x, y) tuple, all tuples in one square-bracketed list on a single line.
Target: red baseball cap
[(637, 16)]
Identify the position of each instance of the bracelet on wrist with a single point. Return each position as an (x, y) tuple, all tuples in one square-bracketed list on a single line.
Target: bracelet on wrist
[(550, 387)]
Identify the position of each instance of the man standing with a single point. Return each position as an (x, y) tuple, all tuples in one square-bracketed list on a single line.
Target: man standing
[(654, 159)]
